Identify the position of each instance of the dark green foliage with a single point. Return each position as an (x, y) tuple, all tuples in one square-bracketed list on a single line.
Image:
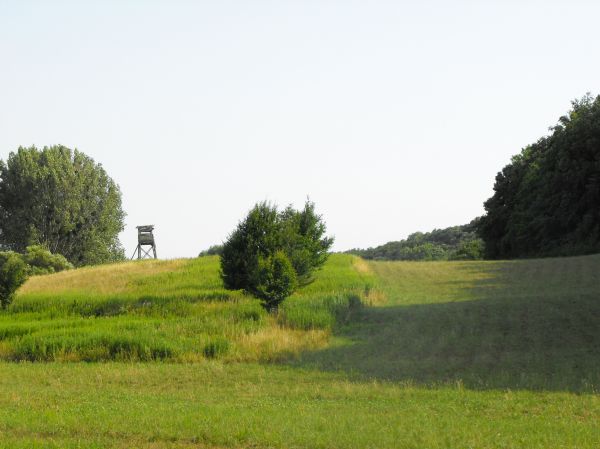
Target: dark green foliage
[(454, 243), (60, 199), (42, 261), (258, 235), (271, 253), (469, 250), (214, 250), (303, 240), (273, 280), (13, 274), (547, 200), (15, 268)]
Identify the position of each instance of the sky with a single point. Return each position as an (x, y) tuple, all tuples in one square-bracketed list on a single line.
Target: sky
[(393, 117)]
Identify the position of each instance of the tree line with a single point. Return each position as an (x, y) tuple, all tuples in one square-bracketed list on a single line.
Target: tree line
[(453, 243), (546, 201)]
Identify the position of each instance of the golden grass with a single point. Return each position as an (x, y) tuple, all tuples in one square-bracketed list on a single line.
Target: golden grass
[(102, 279), (375, 297), (275, 343), (361, 266)]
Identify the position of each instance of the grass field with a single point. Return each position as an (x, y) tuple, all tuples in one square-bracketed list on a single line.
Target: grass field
[(439, 355), (530, 324)]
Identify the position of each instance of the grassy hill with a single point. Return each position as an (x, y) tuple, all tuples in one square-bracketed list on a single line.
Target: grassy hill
[(373, 354), (169, 310)]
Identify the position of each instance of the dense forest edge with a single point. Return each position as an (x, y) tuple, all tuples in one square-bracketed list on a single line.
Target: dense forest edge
[(546, 202)]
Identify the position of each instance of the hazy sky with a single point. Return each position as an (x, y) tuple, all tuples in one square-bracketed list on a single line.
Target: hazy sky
[(393, 117)]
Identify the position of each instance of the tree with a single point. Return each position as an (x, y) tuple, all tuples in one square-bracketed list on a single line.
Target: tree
[(271, 253), (62, 200), (13, 274)]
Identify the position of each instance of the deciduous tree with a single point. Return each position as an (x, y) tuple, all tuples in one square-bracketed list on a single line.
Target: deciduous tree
[(61, 199)]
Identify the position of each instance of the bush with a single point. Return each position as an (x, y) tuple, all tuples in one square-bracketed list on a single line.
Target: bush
[(13, 274), (273, 280), (42, 261), (470, 250), (257, 236), (271, 253)]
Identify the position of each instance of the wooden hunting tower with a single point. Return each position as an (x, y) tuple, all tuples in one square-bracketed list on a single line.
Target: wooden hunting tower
[(145, 240)]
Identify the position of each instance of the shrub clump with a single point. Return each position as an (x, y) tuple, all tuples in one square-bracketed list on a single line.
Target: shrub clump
[(274, 279), (13, 274), (271, 253), (42, 261), (15, 268)]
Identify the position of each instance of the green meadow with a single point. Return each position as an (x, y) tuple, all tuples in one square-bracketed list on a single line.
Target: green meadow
[(157, 354)]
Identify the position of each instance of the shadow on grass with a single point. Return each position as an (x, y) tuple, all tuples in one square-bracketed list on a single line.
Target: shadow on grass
[(527, 331)]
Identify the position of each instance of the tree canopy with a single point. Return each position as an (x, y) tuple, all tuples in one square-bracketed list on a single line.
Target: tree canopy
[(62, 200), (546, 202)]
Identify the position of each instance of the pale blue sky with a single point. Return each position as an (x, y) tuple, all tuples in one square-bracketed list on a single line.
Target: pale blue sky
[(393, 116)]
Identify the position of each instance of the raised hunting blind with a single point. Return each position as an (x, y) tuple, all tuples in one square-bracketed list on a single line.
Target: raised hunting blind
[(146, 243)]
